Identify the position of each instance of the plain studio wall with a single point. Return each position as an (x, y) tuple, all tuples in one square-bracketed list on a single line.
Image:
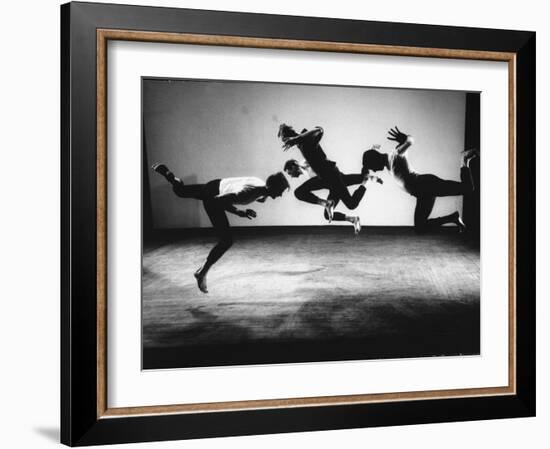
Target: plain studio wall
[(205, 130)]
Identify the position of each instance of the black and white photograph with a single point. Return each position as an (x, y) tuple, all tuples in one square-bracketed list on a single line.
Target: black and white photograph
[(288, 223)]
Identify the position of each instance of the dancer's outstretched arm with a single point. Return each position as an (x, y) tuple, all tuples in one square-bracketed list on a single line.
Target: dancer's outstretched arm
[(227, 201), (403, 140), (314, 135), (247, 213)]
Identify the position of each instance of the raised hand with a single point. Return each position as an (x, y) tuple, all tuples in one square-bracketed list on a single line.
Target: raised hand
[(289, 143), (374, 178), (397, 136)]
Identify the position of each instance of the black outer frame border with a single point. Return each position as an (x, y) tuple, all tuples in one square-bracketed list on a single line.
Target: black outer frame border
[(79, 422)]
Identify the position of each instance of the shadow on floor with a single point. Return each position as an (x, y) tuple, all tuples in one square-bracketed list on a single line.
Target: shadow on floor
[(343, 330)]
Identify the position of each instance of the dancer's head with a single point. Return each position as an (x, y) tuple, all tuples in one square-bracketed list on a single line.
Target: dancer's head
[(374, 160), (285, 132), (276, 184), (293, 169)]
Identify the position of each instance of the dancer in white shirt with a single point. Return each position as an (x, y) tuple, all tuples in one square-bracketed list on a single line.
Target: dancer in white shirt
[(219, 196)]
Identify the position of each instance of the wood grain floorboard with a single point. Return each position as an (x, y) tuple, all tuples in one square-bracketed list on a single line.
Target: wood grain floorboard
[(280, 297)]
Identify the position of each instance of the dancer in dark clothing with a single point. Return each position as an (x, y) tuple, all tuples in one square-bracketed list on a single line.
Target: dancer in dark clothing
[(220, 196), (424, 187), (304, 192), (308, 144)]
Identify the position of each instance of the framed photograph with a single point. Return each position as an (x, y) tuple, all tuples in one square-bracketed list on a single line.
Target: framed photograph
[(280, 224)]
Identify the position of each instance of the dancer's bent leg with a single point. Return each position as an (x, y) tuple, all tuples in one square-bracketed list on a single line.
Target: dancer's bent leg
[(441, 187), (304, 191), (195, 191), (428, 187), (335, 182), (217, 216), (339, 216), (424, 207)]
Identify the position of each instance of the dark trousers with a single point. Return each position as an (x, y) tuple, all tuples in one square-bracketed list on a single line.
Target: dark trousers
[(304, 192), (215, 211), (426, 188)]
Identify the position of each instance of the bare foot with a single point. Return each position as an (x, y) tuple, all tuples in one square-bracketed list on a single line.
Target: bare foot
[(201, 281), (460, 223), (329, 209), (356, 222), (468, 155)]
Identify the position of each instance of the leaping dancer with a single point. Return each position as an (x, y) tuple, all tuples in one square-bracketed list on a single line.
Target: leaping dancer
[(296, 169), (219, 196), (327, 171), (424, 187)]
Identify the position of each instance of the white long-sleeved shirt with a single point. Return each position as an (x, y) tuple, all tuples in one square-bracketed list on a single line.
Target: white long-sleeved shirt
[(246, 189)]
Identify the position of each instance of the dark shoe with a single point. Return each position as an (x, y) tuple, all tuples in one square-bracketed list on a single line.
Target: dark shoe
[(161, 169)]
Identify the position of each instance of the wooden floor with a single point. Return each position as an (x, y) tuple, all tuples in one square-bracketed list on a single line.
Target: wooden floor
[(308, 295)]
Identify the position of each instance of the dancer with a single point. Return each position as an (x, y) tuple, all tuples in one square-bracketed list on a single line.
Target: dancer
[(308, 144), (425, 187), (296, 169), (219, 196)]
